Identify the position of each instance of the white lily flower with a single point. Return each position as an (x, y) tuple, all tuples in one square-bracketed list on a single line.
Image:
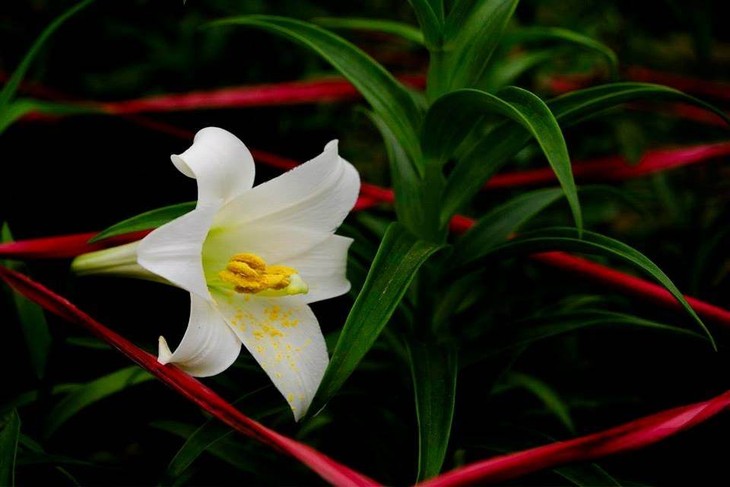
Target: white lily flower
[(252, 258)]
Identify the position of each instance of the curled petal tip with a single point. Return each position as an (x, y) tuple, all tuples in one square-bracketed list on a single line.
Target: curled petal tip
[(164, 355)]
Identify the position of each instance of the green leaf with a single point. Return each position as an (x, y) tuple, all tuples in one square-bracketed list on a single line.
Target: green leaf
[(495, 227), (471, 38), (92, 392), (388, 98), (544, 127), (438, 7), (399, 29), (545, 327), (542, 34), (431, 21), (11, 86), (145, 221), (196, 443), (579, 105), (591, 243), (212, 435), (33, 454), (546, 394), (16, 109), (486, 157), (433, 370), (588, 475), (9, 434), (226, 447), (32, 319), (443, 133), (416, 203), (398, 259), (507, 70), (88, 342)]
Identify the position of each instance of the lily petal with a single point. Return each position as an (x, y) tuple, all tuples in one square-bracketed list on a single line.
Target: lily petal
[(208, 347), (220, 162), (323, 268), (173, 251), (316, 195), (284, 337)]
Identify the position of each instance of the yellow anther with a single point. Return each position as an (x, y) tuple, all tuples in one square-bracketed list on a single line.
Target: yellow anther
[(280, 270), (253, 260), (241, 268), (249, 274)]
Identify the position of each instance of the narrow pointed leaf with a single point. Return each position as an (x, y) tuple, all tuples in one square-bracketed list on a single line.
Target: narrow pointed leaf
[(470, 39), (712, 88), (19, 108), (9, 434), (415, 203), (398, 259), (505, 72), (388, 98), (589, 242), (223, 447), (196, 443), (456, 17), (92, 392), (399, 29), (443, 133), (551, 326), (542, 34), (438, 7), (578, 105), (187, 386), (630, 436), (587, 476), (495, 227), (12, 85), (433, 370), (549, 136), (431, 21), (488, 156), (32, 321), (145, 221), (629, 285), (214, 437), (546, 394), (34, 454)]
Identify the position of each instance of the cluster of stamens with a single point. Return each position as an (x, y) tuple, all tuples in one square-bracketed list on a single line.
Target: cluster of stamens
[(250, 275)]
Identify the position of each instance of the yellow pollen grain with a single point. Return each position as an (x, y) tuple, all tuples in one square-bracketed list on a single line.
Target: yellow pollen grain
[(289, 323), (260, 348), (272, 313), (271, 331)]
